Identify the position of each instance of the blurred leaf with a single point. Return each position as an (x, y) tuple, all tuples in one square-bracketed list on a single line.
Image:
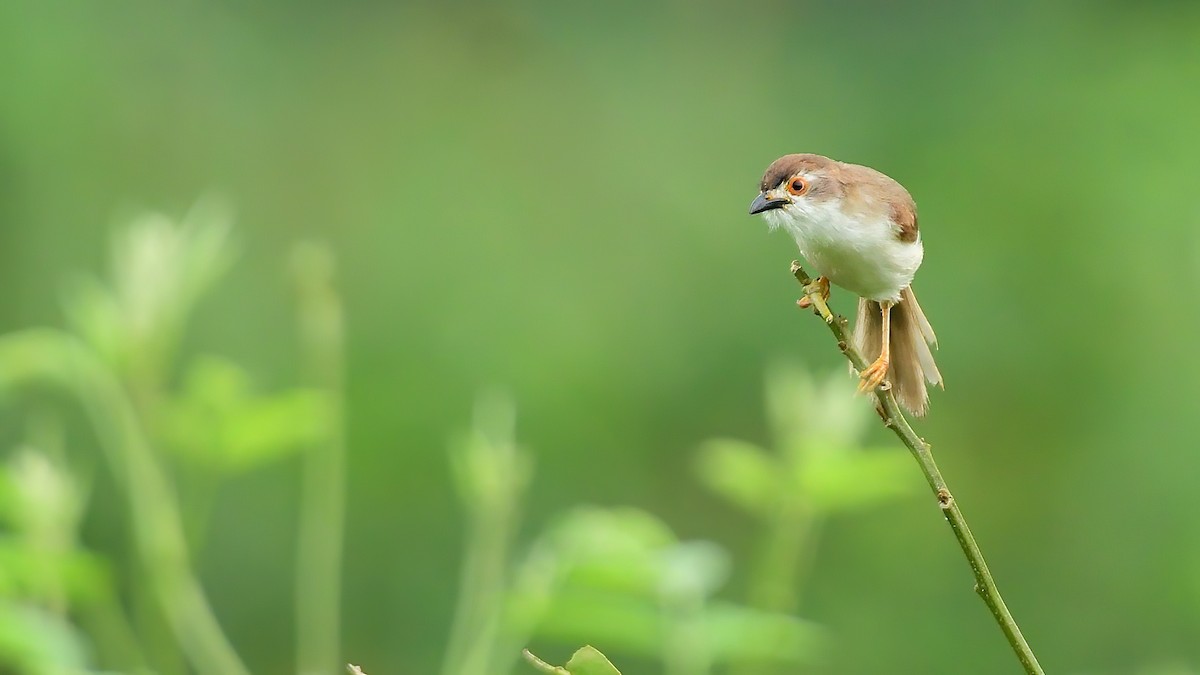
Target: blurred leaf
[(630, 550), (160, 266), (93, 311), (809, 414), (37, 356), (848, 481), (789, 391), (41, 561), (220, 422), (36, 642), (617, 549), (738, 633), (490, 468), (628, 623), (817, 425), (535, 582), (159, 269), (47, 504), (32, 574), (732, 632), (9, 498), (589, 530), (206, 246), (740, 472), (693, 570)]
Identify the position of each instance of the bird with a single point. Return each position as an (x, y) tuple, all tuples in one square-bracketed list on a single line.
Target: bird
[(858, 228)]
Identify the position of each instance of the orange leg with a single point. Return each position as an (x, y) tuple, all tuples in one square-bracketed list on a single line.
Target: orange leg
[(872, 376)]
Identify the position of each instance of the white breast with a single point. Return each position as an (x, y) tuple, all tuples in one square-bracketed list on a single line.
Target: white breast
[(861, 255)]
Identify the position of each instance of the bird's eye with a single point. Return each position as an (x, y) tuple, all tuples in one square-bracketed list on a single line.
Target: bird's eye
[(797, 186)]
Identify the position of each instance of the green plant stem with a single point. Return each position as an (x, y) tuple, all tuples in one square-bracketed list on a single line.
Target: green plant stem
[(115, 642), (541, 665), (158, 530), (492, 473), (785, 557), (893, 418), (323, 483), (786, 553), (475, 630), (49, 355), (686, 650)]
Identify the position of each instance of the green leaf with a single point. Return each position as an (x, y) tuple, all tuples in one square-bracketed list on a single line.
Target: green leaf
[(586, 661), (589, 661), (220, 422), (742, 473)]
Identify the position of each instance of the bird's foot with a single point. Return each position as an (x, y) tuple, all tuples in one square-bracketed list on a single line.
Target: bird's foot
[(816, 295), (820, 286), (872, 376)]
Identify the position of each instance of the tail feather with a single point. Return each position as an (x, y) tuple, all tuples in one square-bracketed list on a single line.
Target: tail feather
[(868, 329), (926, 330), (912, 359)]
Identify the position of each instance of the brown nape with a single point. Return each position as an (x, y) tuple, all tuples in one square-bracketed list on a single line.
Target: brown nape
[(787, 166)]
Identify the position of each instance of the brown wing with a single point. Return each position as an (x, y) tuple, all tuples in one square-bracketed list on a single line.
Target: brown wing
[(876, 184), (904, 214)]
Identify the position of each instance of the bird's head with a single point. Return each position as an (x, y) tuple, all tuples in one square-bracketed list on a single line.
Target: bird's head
[(796, 188)]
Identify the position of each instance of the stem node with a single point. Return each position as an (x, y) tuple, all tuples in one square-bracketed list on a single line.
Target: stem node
[(945, 499)]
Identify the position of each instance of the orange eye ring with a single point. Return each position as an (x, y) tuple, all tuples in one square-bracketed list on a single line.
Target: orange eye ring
[(797, 186)]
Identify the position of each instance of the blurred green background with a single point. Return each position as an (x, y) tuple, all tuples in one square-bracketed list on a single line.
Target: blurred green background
[(549, 200)]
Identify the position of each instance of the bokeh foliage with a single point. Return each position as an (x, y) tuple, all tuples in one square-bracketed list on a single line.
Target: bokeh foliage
[(619, 575), (551, 197)]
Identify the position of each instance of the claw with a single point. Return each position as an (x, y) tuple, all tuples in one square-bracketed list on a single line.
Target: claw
[(816, 294), (872, 376)]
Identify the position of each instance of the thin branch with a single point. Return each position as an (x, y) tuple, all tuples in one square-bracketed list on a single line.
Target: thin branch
[(893, 418)]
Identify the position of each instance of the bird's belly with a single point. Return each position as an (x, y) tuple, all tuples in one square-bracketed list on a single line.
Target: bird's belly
[(867, 259)]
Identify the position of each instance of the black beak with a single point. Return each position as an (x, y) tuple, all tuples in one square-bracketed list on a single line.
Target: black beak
[(762, 203)]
